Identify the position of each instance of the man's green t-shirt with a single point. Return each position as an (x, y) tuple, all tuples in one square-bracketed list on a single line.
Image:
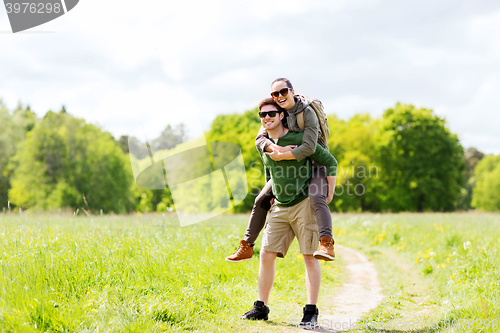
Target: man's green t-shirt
[(291, 178)]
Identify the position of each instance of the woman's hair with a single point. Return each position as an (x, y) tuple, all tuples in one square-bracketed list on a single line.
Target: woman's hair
[(288, 83)]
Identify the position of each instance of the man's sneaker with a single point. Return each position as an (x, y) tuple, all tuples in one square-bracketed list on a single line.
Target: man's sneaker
[(325, 251), (310, 318), (259, 312), (244, 252)]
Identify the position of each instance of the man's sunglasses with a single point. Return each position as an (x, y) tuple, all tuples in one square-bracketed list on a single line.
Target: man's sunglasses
[(283, 92), (271, 114)]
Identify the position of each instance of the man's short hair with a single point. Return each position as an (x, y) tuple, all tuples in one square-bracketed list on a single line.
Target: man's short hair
[(269, 101)]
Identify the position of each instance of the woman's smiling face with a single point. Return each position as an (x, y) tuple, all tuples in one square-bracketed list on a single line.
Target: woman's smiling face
[(286, 102)]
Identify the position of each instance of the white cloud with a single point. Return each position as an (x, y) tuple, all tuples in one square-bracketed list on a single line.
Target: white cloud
[(484, 30), (115, 62)]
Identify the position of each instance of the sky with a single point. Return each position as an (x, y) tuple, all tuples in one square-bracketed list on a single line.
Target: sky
[(121, 64)]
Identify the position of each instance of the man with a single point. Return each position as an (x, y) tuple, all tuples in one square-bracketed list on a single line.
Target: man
[(291, 215)]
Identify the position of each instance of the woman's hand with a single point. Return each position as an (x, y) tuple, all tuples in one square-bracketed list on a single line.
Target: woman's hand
[(329, 198), (274, 146), (275, 155), (280, 155), (287, 148), (332, 180)]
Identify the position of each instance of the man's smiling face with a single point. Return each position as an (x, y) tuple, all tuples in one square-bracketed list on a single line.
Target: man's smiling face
[(269, 122)]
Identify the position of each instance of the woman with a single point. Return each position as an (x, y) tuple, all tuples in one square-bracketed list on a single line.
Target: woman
[(301, 118)]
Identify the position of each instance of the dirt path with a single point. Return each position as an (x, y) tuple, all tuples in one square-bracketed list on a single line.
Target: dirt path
[(360, 293)]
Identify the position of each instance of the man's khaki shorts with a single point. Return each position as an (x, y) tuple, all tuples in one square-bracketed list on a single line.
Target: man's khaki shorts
[(285, 223)]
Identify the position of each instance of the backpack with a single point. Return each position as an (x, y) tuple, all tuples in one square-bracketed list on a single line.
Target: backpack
[(317, 106)]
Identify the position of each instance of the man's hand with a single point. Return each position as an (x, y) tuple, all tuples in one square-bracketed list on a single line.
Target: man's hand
[(332, 180)]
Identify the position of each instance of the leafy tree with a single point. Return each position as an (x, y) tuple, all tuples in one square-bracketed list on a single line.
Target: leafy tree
[(13, 133), (66, 162), (486, 194), (152, 200), (145, 200), (337, 145), (421, 161), (170, 137), (353, 143), (471, 158), (123, 143), (406, 160), (148, 200)]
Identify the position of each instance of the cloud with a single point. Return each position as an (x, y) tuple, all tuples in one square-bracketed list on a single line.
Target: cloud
[(115, 62)]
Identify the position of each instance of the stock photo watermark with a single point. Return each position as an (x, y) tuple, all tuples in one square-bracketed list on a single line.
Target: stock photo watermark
[(205, 179), (26, 14), (471, 324)]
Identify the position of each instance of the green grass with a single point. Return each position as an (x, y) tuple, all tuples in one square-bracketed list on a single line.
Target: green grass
[(434, 268), (146, 274), (137, 274)]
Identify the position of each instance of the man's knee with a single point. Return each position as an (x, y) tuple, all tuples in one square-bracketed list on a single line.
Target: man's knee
[(308, 257), (267, 256), (310, 261)]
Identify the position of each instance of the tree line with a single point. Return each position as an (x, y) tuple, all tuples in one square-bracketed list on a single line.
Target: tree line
[(405, 160)]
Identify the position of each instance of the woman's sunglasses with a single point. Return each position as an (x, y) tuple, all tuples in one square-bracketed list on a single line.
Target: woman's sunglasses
[(271, 114), (283, 92)]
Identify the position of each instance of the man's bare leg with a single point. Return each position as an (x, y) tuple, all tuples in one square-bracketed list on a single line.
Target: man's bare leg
[(313, 278), (266, 275)]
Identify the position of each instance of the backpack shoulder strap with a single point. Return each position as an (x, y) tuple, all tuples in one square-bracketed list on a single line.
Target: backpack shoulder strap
[(317, 106), (300, 120)]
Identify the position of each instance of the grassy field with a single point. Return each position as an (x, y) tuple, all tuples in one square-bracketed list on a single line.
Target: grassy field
[(146, 274), (440, 270), (136, 274)]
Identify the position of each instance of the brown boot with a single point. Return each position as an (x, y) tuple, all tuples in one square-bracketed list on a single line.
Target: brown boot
[(244, 252), (325, 251)]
